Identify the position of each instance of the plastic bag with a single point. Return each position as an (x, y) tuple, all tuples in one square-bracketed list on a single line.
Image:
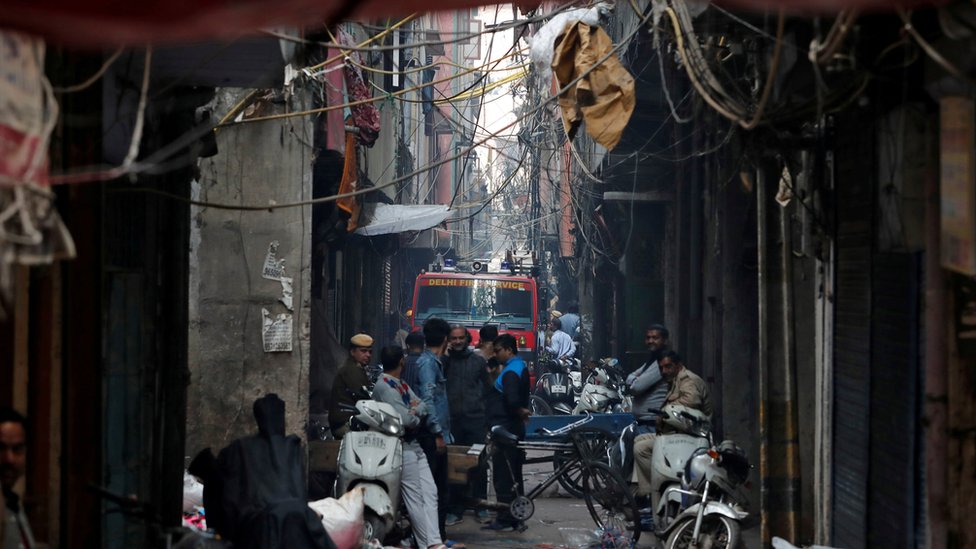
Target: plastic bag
[(192, 493), (543, 43), (342, 518)]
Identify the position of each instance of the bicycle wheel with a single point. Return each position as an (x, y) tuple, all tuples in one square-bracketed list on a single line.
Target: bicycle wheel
[(610, 501), (591, 443)]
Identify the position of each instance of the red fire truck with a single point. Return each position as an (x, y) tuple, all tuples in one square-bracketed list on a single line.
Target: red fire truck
[(473, 297)]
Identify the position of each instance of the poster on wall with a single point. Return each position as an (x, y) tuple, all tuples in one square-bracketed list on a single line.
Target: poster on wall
[(957, 193)]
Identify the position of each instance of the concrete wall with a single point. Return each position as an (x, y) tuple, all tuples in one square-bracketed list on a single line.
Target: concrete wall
[(229, 367)]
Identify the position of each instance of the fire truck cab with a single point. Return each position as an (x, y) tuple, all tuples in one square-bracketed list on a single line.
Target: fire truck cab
[(471, 296)]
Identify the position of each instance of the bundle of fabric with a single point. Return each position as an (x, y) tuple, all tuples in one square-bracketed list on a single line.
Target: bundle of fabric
[(255, 490)]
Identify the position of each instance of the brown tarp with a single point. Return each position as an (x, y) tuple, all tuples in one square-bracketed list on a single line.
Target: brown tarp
[(604, 98)]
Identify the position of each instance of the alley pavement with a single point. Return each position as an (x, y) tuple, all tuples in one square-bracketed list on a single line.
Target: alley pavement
[(560, 520)]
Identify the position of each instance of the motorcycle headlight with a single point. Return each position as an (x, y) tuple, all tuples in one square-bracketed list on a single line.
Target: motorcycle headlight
[(695, 468)]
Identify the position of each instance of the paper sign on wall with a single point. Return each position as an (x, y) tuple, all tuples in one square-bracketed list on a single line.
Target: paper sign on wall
[(276, 332)]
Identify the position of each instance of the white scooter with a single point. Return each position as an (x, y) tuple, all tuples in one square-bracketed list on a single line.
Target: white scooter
[(371, 457), (603, 392), (691, 433)]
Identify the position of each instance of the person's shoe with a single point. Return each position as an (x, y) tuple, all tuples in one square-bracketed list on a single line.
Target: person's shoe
[(451, 519), (484, 516), (499, 526), (451, 544)]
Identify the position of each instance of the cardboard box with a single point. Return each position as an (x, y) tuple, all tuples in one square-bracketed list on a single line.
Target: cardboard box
[(460, 460), (323, 455)]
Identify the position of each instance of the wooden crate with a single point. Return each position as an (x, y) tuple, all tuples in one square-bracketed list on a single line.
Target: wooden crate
[(323, 456), (459, 462)]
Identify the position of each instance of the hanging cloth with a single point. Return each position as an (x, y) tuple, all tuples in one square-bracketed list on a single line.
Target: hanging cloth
[(350, 205)]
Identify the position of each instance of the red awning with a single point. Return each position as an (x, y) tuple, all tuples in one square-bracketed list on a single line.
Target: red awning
[(94, 23)]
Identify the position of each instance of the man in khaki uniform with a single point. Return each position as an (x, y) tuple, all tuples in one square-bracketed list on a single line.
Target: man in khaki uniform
[(686, 389), (349, 382)]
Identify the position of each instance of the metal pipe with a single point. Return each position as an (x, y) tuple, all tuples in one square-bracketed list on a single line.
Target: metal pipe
[(762, 261), (784, 397)]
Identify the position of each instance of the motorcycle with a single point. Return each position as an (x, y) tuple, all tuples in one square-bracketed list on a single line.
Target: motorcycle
[(605, 390), (717, 477), (558, 388), (697, 496), (371, 457)]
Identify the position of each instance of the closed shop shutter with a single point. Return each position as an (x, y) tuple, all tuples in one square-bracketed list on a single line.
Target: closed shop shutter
[(852, 334), (894, 402)]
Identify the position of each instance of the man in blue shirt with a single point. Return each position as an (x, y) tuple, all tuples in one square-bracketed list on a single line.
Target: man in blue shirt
[(431, 387), (508, 405)]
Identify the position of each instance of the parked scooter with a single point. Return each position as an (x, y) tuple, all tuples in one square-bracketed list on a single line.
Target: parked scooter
[(371, 457), (604, 390), (557, 388), (696, 486)]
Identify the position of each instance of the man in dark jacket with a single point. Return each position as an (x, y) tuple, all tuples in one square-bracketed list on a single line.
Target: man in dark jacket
[(508, 405), (467, 384)]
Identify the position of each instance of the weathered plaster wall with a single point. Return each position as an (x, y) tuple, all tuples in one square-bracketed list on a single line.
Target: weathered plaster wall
[(257, 163)]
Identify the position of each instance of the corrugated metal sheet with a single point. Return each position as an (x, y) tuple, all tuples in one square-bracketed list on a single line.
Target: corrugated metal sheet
[(852, 337), (895, 365)]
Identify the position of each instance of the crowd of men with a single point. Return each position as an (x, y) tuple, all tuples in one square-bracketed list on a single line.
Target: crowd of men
[(449, 393), (446, 393)]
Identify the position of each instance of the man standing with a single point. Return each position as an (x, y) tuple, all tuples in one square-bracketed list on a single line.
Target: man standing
[(415, 347), (467, 383), (349, 382), (432, 389), (419, 489), (508, 406), (685, 388), (570, 320), (15, 532), (486, 340), (560, 344)]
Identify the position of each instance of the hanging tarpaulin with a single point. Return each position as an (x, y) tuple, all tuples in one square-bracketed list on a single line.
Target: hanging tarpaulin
[(604, 98), (399, 218), (31, 231)]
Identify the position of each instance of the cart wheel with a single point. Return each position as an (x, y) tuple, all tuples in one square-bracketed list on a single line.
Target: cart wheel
[(521, 508), (591, 443), (609, 500)]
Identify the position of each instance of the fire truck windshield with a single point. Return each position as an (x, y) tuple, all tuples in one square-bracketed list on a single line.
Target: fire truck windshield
[(475, 302)]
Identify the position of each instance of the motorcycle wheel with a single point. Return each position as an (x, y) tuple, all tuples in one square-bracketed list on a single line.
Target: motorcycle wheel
[(591, 443), (609, 500), (374, 527), (717, 531), (539, 406)]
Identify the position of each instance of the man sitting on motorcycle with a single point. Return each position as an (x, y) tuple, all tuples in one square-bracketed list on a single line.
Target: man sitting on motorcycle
[(416, 480), (685, 388)]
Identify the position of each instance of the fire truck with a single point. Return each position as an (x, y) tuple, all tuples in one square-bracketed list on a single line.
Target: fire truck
[(472, 296)]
